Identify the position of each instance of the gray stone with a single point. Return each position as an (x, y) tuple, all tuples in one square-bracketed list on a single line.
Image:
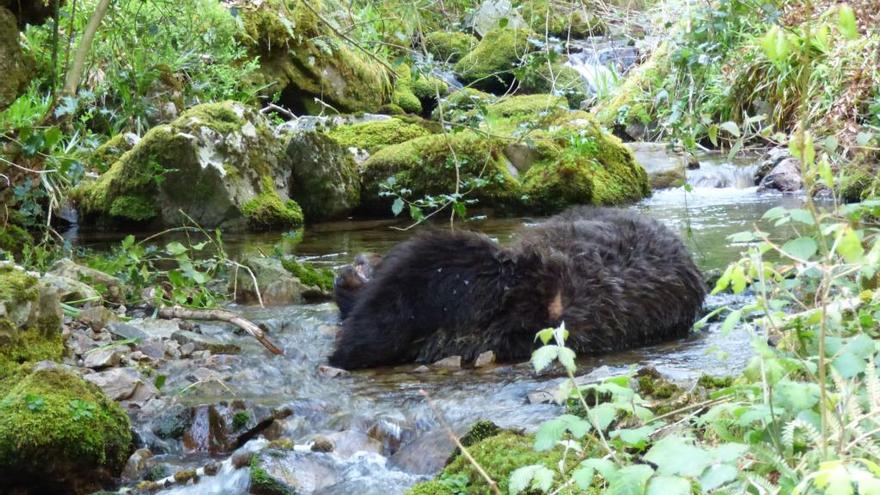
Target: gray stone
[(152, 348), (450, 363), (96, 317), (484, 359), (187, 349), (785, 176), (665, 166), (156, 328), (203, 343), (106, 357), (276, 285), (71, 289), (123, 384), (136, 465), (96, 279), (324, 176), (126, 331), (330, 371)]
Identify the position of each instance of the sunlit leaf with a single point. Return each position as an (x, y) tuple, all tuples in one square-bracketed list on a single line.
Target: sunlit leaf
[(668, 485), (802, 248), (846, 22)]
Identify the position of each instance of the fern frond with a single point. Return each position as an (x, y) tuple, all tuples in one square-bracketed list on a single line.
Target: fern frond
[(810, 431), (763, 485)]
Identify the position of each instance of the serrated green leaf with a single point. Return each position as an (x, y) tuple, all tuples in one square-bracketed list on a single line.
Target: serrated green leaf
[(630, 480), (397, 206), (543, 356), (175, 248), (716, 476), (668, 485), (850, 246), (801, 215), (678, 456), (566, 358)]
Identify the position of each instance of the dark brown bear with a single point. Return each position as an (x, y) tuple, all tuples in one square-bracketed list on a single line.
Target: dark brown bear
[(616, 278)]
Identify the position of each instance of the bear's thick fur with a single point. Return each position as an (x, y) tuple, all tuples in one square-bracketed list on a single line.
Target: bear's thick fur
[(616, 278)]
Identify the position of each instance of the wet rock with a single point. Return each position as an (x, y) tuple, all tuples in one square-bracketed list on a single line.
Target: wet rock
[(126, 331), (281, 444), (421, 369), (136, 466), (208, 432), (784, 176), (276, 285), (123, 384), (157, 472), (153, 348), (172, 422), (201, 342), (112, 287), (104, 357), (187, 349), (665, 166), (211, 469), (322, 444), (449, 363), (183, 477), (773, 158), (97, 317), (348, 442), (331, 372), (540, 397), (484, 359), (242, 459), (308, 472), (389, 432), (156, 328)]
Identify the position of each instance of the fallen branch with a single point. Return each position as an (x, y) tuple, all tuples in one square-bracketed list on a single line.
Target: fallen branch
[(221, 315)]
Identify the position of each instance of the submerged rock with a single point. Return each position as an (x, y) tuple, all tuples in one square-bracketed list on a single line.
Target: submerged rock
[(784, 176), (59, 434), (123, 384), (217, 164), (201, 342)]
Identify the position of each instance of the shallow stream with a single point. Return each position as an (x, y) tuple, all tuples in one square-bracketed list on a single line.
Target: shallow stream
[(382, 413)]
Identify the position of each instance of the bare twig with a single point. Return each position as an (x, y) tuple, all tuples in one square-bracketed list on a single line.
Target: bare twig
[(221, 315)]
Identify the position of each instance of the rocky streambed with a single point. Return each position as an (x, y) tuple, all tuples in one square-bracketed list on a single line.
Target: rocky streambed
[(214, 412)]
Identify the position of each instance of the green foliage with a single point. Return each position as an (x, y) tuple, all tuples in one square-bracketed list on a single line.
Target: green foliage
[(309, 275)]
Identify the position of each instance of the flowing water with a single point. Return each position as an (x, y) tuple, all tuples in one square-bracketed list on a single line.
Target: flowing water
[(389, 403)]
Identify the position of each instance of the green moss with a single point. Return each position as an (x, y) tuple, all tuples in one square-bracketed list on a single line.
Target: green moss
[(449, 46), (562, 19), (427, 166), (429, 88), (403, 95), (240, 420), (13, 238), (463, 106), (715, 382), (34, 335), (581, 163), (499, 456), (556, 78), (391, 109), (309, 275), (325, 179), (478, 432), (264, 484), (490, 64), (53, 414), (433, 487), (267, 210), (658, 388), (374, 135), (136, 208), (303, 59), (513, 113), (105, 155), (628, 103)]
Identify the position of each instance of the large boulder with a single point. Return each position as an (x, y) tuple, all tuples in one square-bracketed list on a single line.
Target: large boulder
[(489, 66), (426, 166), (324, 176), (374, 135), (785, 176), (59, 434), (562, 19), (449, 46), (303, 59), (30, 320), (216, 164), (14, 65)]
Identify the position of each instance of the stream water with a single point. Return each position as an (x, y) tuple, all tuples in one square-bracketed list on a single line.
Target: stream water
[(387, 437)]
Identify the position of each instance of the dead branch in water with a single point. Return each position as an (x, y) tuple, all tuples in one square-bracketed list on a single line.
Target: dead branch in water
[(221, 315)]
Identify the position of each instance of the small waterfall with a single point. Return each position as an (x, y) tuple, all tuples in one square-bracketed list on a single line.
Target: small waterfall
[(601, 61), (717, 174)]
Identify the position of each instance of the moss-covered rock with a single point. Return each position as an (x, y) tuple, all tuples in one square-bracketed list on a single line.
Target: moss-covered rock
[(581, 163), (14, 65), (466, 106), (106, 155), (217, 163), (263, 483), (426, 166), (303, 59), (376, 134), (479, 431), (403, 95), (449, 46), (554, 78), (30, 321), (13, 238), (489, 66), (562, 19), (324, 176), (629, 104), (321, 278), (59, 434)]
